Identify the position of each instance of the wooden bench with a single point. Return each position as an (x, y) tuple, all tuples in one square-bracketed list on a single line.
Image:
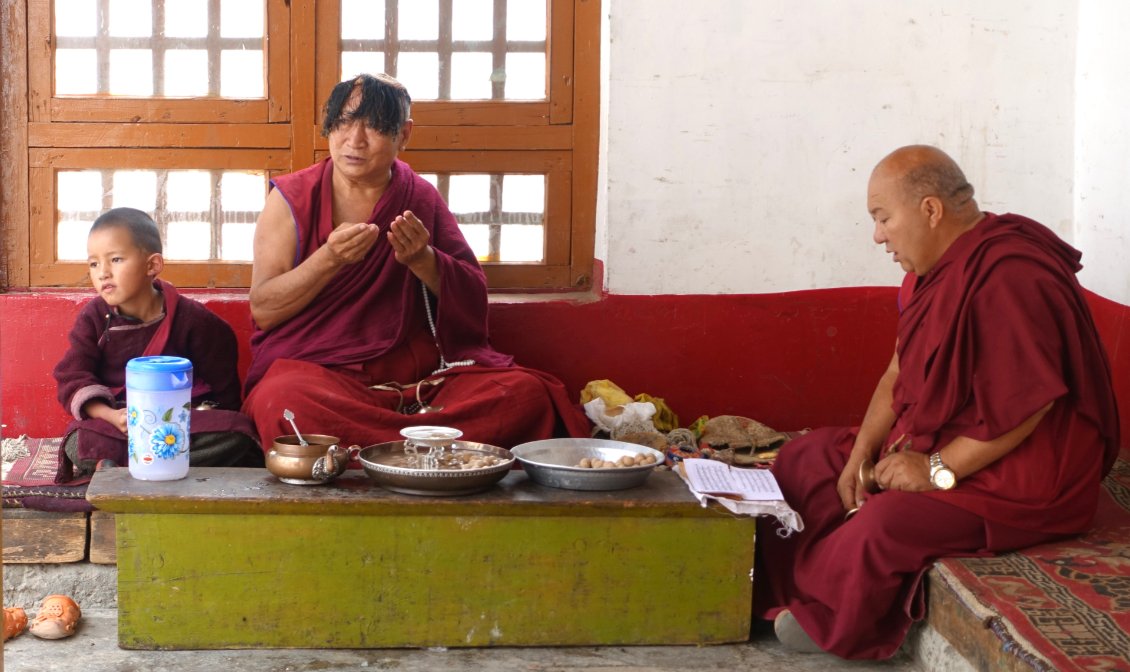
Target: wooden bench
[(232, 558)]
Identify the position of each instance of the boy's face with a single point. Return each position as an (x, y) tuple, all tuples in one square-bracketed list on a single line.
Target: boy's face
[(121, 272)]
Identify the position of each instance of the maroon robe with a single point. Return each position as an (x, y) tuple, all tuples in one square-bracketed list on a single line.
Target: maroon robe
[(993, 333), (94, 367), (369, 326)]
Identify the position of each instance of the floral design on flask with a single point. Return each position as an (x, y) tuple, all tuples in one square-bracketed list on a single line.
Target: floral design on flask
[(166, 441), (133, 415), (167, 437)]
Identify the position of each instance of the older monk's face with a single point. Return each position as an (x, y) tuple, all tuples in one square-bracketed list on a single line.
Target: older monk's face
[(360, 152), (901, 225)]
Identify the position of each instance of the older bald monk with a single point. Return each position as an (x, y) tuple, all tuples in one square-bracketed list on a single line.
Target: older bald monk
[(990, 430)]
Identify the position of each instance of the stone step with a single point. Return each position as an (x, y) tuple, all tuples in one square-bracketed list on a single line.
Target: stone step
[(91, 585)]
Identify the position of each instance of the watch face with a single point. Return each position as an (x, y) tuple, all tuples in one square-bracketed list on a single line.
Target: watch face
[(943, 479)]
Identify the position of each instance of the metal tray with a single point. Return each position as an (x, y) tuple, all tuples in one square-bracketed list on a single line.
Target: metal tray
[(382, 462), (552, 462)]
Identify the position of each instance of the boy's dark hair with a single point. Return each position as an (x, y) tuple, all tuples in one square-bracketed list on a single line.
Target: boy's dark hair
[(385, 104), (141, 227)]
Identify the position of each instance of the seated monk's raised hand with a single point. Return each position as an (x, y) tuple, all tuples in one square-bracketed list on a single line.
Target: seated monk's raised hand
[(349, 243), (409, 239)]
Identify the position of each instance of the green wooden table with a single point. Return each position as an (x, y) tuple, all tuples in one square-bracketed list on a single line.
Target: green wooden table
[(233, 558)]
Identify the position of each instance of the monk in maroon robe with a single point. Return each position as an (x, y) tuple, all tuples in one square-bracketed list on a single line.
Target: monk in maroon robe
[(369, 304), (990, 430)]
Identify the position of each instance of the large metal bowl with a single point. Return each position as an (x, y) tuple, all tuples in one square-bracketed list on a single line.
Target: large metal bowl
[(384, 462), (553, 462)]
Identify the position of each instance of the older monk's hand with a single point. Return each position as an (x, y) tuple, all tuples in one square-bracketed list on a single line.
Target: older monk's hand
[(409, 240), (906, 470), (849, 488), (349, 243)]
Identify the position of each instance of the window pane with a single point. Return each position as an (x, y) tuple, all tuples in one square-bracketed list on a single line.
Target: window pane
[(473, 19), (241, 18), (478, 237), (420, 74), (188, 191), (78, 18), (186, 73), (244, 192), (525, 76), (523, 193), (76, 72), (469, 193), (354, 63), (418, 20), (131, 18), (362, 20), (470, 76), (79, 191), (522, 242), (188, 240), (241, 73), (237, 241), (131, 72), (525, 20), (72, 240), (135, 189), (186, 18)]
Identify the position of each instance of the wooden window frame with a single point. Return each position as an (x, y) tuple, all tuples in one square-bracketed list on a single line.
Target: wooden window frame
[(42, 134)]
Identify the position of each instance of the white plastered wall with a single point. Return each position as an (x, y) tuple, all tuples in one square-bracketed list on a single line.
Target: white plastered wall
[(1102, 148), (739, 134)]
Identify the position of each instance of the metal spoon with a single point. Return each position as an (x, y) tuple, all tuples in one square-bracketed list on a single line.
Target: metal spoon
[(288, 415)]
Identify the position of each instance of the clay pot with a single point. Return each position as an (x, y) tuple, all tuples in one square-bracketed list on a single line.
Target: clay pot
[(56, 619), (15, 622)]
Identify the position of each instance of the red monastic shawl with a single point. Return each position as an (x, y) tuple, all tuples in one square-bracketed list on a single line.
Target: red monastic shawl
[(370, 307), (998, 329)]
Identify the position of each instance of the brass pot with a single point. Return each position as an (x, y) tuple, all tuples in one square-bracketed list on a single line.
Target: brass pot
[(319, 462)]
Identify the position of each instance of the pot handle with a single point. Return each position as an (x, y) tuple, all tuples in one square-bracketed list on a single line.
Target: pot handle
[(330, 465), (337, 459)]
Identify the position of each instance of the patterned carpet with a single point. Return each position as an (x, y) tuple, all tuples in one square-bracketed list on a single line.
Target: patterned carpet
[(29, 477), (1062, 606)]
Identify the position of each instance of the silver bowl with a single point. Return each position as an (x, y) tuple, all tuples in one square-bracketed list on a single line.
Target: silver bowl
[(385, 464), (553, 462)]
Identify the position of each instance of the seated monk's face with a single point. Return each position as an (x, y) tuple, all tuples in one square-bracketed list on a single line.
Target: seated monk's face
[(360, 151), (901, 224)]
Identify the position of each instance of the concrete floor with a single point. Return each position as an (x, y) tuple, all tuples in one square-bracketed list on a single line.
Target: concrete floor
[(94, 649)]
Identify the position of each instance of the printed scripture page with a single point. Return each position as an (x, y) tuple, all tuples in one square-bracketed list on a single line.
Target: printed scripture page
[(719, 478)]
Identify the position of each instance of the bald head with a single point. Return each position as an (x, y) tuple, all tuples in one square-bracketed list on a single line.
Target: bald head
[(921, 170), (921, 202)]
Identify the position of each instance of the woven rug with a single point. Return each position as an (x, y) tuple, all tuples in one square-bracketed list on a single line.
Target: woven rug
[(1062, 606), (29, 477)]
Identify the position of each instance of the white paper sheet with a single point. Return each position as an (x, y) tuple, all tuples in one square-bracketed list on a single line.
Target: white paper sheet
[(788, 519), (718, 478)]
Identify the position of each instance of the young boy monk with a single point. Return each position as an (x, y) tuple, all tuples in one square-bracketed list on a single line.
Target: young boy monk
[(136, 314)]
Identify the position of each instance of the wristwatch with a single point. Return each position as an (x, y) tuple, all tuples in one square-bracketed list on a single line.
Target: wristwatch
[(941, 476)]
